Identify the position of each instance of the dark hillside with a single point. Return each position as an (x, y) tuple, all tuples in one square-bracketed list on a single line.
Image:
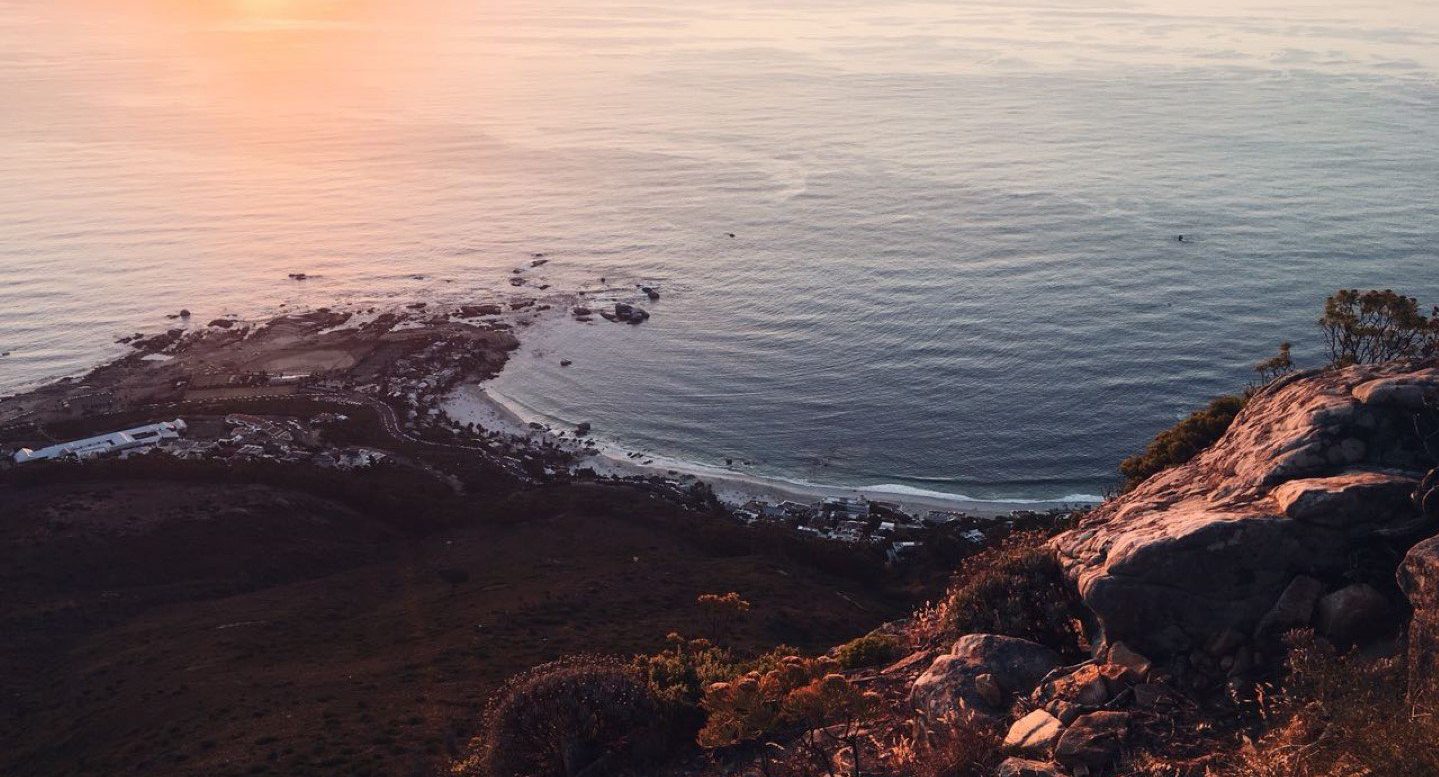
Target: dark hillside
[(216, 628)]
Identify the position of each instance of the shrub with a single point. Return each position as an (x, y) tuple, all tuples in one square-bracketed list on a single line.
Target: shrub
[(869, 650), (971, 749), (1340, 715), (583, 714), (722, 612), (804, 700), (1276, 366), (678, 676), (1015, 589), (1367, 327), (1183, 441)]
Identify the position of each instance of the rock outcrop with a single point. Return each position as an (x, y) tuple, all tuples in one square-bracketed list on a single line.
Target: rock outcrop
[(1315, 468), (1419, 579), (980, 677)]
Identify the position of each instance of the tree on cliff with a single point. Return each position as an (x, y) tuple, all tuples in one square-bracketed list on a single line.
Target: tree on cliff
[(1276, 366), (1368, 327)]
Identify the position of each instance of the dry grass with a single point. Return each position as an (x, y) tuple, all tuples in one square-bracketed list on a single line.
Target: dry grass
[(1343, 716), (957, 750)]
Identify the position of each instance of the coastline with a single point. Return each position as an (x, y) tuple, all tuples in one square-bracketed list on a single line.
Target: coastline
[(476, 403), (183, 362)]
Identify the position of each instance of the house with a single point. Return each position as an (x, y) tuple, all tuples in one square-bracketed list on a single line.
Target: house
[(855, 508), (114, 442)]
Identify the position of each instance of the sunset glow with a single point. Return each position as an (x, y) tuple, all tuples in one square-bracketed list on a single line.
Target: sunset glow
[(719, 388)]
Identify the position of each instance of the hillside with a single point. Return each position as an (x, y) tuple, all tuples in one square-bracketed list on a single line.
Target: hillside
[(1269, 607), (180, 628)]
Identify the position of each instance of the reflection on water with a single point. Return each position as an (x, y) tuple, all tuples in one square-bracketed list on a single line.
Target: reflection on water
[(954, 264)]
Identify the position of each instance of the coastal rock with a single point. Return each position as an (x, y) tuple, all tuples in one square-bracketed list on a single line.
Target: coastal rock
[(952, 682), (1419, 579), (157, 343), (630, 314), (1313, 467), (222, 323)]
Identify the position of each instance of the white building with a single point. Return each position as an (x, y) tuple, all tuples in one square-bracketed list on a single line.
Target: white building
[(139, 437)]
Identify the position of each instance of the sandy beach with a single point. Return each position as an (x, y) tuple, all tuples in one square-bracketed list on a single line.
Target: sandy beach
[(473, 403)]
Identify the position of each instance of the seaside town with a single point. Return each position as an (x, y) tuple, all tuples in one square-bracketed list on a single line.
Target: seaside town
[(238, 437)]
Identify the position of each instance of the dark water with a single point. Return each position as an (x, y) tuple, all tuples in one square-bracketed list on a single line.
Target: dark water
[(954, 265)]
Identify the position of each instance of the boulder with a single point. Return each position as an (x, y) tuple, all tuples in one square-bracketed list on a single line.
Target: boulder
[(1352, 499), (1409, 392), (1086, 687), (1033, 735), (1353, 614), (1024, 767), (1419, 579), (1093, 740), (1293, 609), (630, 314), (1137, 665), (1212, 544), (952, 683)]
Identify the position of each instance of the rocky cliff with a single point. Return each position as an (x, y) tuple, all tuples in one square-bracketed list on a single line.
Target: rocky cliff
[(1261, 531), (1312, 511)]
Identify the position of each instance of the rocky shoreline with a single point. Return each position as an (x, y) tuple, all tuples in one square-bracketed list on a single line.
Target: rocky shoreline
[(427, 363)]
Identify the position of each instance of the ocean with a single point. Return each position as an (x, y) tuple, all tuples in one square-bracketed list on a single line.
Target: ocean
[(955, 263)]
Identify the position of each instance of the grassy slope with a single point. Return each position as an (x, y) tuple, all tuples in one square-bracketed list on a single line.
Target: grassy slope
[(178, 629)]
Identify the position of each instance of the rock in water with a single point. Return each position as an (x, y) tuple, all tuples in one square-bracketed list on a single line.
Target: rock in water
[(629, 313), (1313, 468)]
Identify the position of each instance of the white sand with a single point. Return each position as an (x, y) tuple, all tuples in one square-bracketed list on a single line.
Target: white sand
[(495, 412)]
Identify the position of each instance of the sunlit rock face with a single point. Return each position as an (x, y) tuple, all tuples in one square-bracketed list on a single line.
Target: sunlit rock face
[(1316, 467)]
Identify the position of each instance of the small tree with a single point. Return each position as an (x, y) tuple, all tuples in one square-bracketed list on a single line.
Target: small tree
[(722, 612), (1367, 327), (1276, 366)]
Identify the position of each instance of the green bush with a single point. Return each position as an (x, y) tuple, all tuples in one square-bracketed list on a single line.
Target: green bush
[(1183, 441), (869, 650), (678, 675)]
